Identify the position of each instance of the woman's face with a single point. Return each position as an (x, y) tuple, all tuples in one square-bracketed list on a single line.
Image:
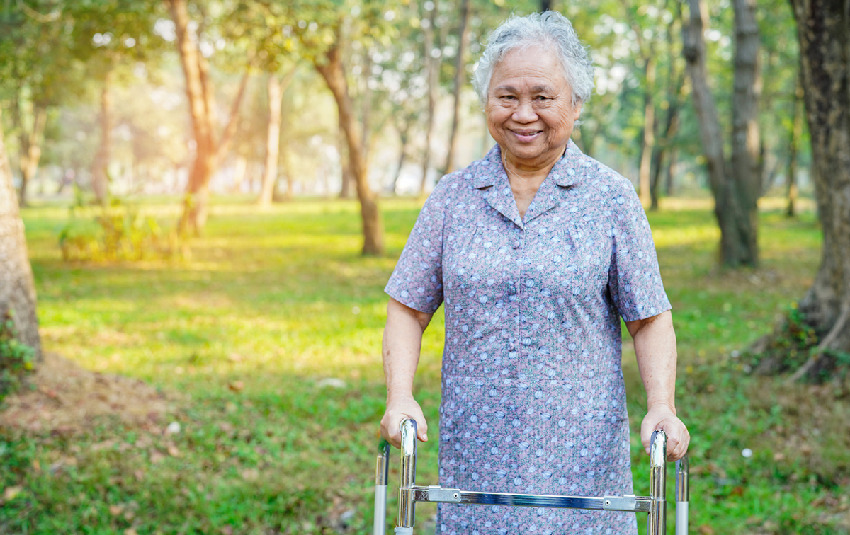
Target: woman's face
[(529, 107)]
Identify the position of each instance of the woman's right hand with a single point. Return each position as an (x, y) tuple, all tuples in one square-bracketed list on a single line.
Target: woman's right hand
[(398, 410)]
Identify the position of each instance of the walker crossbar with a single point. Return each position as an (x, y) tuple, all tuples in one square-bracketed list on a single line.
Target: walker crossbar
[(435, 493), (654, 505)]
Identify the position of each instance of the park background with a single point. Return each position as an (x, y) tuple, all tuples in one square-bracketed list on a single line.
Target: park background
[(213, 195)]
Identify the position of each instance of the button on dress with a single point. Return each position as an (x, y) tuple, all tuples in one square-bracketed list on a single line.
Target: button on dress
[(533, 399)]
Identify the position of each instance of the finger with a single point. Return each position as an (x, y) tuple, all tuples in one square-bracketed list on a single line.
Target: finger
[(422, 432), (421, 426), (672, 449), (393, 439), (679, 446), (645, 437)]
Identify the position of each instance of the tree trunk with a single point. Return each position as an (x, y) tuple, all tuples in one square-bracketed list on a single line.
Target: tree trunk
[(100, 164), (823, 28), (333, 73), (660, 152), (735, 240), (404, 137), (798, 116), (346, 176), (275, 94), (200, 110), (463, 39), (648, 142), (29, 142), (431, 65), (17, 288), (675, 97), (199, 93), (823, 32), (746, 148), (668, 174), (288, 179), (366, 105)]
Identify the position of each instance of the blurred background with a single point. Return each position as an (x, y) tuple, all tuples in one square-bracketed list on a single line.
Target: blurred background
[(201, 201)]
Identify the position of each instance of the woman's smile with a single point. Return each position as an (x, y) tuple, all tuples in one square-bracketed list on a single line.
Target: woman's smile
[(527, 136)]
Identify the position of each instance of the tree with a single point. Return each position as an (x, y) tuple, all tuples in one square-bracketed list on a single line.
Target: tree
[(431, 56), (275, 87), (333, 73), (209, 146), (735, 186), (823, 34), (460, 65), (110, 37), (34, 77), (323, 42), (17, 289)]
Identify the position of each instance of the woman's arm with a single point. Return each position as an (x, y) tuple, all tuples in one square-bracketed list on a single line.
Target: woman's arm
[(655, 348), (401, 348)]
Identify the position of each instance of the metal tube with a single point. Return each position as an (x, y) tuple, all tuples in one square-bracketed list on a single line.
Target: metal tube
[(406, 502), (381, 474), (379, 524), (657, 521), (438, 494), (683, 495), (382, 469)]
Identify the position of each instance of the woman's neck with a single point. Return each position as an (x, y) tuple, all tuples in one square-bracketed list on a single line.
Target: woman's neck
[(526, 177)]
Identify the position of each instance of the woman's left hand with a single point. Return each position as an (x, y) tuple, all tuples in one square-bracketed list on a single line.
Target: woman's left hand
[(662, 417)]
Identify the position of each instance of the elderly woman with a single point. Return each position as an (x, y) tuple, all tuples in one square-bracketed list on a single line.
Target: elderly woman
[(536, 251)]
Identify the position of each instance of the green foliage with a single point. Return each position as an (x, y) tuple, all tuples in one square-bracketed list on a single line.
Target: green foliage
[(790, 347), (16, 358), (117, 232)]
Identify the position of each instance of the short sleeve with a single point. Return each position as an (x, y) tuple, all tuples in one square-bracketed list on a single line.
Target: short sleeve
[(634, 279), (417, 280)]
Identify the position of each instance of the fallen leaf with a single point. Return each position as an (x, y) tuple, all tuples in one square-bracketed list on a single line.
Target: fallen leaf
[(11, 492)]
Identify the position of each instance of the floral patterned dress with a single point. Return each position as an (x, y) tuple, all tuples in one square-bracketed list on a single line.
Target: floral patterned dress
[(533, 399)]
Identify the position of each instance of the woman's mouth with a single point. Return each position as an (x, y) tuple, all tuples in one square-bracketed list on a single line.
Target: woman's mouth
[(526, 136)]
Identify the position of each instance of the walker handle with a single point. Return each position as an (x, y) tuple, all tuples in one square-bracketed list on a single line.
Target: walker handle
[(657, 520), (406, 503)]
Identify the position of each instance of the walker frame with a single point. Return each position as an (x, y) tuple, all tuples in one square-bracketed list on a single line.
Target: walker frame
[(654, 505)]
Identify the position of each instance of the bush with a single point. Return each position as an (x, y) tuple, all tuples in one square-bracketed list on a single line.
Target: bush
[(116, 233), (16, 358)]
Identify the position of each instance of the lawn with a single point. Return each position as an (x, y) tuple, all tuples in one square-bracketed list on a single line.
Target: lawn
[(266, 343)]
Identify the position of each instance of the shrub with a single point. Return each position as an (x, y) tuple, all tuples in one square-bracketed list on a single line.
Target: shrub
[(116, 232), (16, 358)]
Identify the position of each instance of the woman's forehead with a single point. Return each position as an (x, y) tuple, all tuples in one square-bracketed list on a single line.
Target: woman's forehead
[(529, 68)]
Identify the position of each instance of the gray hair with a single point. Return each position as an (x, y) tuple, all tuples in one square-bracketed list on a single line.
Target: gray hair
[(550, 28)]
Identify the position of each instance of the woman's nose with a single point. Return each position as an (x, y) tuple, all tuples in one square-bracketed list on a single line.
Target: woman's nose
[(524, 112)]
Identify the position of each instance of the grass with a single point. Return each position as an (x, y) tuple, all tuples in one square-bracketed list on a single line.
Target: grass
[(279, 301)]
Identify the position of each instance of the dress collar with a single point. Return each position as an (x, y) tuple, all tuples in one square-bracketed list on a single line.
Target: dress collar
[(565, 172)]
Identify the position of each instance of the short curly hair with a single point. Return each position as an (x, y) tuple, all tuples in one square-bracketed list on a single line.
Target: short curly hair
[(538, 28)]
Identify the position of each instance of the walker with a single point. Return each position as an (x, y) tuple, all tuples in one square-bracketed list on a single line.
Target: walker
[(655, 505)]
